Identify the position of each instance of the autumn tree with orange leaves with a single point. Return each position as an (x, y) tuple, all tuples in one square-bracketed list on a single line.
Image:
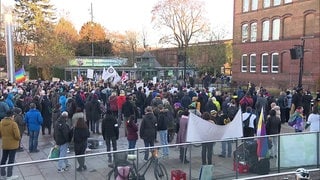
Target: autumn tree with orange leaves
[(93, 41)]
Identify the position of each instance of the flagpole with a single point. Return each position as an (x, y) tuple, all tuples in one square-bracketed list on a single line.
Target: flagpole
[(9, 48)]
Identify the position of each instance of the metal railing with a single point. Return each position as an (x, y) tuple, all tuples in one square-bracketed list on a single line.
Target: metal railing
[(293, 150)]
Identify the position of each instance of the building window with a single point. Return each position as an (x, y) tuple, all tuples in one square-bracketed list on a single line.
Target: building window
[(275, 63), (276, 29), (287, 1), (244, 62), (245, 33), (253, 32), (265, 30), (264, 63), (254, 5), (276, 2), (245, 5), (253, 63), (266, 3)]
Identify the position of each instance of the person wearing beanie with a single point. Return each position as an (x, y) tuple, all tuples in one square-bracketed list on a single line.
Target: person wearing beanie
[(62, 136), (18, 118), (10, 135), (34, 120)]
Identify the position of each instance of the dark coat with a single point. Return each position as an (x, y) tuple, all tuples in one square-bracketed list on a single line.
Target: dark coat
[(61, 132), (163, 120), (148, 127), (110, 127), (127, 109), (132, 131), (273, 125), (80, 138)]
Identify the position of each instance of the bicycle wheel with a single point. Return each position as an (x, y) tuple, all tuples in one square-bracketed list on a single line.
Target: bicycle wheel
[(111, 175), (160, 172)]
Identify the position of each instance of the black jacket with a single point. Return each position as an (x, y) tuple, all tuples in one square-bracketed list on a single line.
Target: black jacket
[(109, 127), (148, 127), (61, 132), (163, 120)]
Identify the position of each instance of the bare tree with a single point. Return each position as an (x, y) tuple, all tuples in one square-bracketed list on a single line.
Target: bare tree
[(184, 18)]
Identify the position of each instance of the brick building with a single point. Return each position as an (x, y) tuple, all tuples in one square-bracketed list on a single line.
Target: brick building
[(265, 31)]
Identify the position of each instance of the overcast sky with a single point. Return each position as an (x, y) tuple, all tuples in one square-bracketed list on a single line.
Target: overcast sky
[(122, 15)]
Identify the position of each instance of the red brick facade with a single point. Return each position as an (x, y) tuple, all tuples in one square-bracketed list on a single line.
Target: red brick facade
[(298, 18)]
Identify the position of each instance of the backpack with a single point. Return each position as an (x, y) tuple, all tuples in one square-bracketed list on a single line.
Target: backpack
[(246, 122)]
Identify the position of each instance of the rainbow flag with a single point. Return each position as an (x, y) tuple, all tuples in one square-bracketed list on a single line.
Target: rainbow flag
[(20, 76), (262, 148)]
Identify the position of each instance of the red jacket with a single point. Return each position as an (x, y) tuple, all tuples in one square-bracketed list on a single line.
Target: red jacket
[(121, 100)]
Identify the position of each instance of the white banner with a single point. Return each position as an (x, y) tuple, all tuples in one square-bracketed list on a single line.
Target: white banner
[(202, 130), (90, 73)]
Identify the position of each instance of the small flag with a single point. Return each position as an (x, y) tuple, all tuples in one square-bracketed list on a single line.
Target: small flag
[(124, 76), (20, 75), (262, 148)]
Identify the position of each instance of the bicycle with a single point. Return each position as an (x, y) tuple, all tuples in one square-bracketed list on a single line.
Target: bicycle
[(160, 172)]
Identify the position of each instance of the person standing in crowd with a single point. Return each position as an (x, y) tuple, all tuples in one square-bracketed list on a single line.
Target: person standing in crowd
[(95, 114), (249, 121), (273, 126), (162, 122), (63, 101), (148, 130), (297, 100), (207, 148), (127, 111), (245, 102), (46, 110), (182, 135), (10, 135), (113, 105), (306, 102), (78, 114), (132, 136), (80, 138), (88, 111), (314, 120), (120, 101), (19, 119), (110, 132), (283, 103), (34, 120), (62, 138), (3, 108), (296, 119), (288, 108)]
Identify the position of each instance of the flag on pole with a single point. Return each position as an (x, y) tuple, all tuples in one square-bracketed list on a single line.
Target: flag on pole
[(20, 75), (124, 76), (110, 72), (262, 148)]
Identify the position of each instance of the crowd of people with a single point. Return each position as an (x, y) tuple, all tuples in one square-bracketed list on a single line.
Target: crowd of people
[(75, 111)]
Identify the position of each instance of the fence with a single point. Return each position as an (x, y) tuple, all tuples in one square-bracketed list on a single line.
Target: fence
[(292, 151)]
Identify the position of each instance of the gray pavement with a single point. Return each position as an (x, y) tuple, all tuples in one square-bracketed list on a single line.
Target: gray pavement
[(98, 165)]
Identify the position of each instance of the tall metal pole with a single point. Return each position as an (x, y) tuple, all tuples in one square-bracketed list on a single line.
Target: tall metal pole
[(185, 66), (92, 47), (9, 48), (301, 63)]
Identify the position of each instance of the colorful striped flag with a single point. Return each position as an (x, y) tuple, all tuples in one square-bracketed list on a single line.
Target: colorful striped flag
[(20, 75), (262, 142)]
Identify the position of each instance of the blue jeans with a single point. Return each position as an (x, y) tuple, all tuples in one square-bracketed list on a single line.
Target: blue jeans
[(5, 154), (62, 164), (147, 143), (132, 145), (224, 148), (164, 141), (33, 140)]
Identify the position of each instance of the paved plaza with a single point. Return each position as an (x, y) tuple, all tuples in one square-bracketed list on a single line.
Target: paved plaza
[(98, 164)]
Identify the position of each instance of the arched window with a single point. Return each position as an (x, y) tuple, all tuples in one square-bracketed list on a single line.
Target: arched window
[(276, 29), (253, 32), (244, 63), (244, 32), (265, 30), (264, 63), (253, 63), (254, 5), (245, 5), (275, 63)]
